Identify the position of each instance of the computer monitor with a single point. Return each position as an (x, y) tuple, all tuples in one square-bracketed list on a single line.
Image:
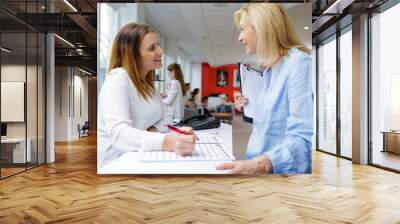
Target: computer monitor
[(214, 102), (3, 129)]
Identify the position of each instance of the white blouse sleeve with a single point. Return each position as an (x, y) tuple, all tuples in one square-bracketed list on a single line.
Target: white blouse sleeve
[(118, 123), (161, 125), (172, 93), (186, 97)]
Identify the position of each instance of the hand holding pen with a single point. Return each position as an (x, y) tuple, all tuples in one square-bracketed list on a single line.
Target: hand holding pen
[(182, 144), (179, 131)]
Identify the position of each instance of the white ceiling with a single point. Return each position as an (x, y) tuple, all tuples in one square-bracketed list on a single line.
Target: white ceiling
[(205, 32)]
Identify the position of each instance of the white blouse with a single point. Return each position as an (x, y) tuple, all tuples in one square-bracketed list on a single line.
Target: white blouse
[(124, 116), (174, 100), (186, 97)]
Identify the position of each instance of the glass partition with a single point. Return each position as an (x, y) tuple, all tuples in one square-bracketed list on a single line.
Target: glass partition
[(41, 87), (327, 96), (31, 100), (13, 103), (22, 77), (385, 89), (346, 93)]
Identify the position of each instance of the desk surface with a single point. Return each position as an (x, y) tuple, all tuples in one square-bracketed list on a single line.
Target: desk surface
[(129, 162), (13, 140), (391, 132)]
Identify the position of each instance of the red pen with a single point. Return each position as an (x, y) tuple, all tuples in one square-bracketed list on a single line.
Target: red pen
[(172, 128)]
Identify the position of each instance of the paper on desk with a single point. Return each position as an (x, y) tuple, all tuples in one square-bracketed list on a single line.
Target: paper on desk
[(208, 148), (251, 83)]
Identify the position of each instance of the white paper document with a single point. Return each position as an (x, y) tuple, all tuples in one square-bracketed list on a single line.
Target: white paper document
[(251, 84), (207, 138), (208, 148), (133, 163)]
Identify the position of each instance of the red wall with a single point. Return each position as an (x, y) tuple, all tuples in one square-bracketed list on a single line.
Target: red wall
[(209, 80)]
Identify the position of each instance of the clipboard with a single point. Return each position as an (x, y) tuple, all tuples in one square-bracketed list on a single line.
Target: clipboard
[(257, 83)]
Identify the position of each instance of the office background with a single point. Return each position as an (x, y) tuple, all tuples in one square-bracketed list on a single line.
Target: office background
[(364, 45), (356, 36), (47, 108), (59, 74), (22, 77)]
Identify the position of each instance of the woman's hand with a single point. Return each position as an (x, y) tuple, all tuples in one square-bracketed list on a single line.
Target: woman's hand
[(259, 165), (240, 100), (180, 144)]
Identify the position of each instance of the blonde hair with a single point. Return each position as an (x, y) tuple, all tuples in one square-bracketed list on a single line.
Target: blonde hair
[(176, 68), (125, 53), (274, 28)]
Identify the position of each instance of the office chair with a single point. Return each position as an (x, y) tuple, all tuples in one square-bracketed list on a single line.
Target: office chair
[(84, 130)]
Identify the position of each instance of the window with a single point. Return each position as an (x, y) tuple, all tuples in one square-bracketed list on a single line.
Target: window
[(385, 89), (346, 93), (327, 96), (22, 66)]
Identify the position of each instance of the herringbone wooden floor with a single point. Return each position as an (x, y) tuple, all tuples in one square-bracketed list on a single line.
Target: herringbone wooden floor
[(70, 191)]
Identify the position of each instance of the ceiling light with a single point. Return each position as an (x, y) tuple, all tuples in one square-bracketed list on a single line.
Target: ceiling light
[(5, 50), (84, 71), (331, 7), (64, 40), (70, 5), (306, 27), (43, 7), (338, 6)]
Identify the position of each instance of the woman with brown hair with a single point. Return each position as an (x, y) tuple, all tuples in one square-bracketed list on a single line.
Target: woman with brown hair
[(131, 111), (177, 90)]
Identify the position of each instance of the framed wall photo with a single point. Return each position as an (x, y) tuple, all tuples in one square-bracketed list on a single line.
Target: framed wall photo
[(236, 78), (222, 77)]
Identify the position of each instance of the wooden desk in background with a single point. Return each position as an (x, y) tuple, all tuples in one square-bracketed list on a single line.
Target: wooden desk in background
[(227, 117), (391, 141), (13, 150)]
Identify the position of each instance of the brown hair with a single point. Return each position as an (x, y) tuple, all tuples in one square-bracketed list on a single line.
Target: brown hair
[(125, 53), (274, 28), (176, 68)]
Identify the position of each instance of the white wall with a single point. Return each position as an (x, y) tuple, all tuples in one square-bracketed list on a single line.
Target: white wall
[(61, 103), (70, 84), (82, 82), (109, 22), (33, 126), (195, 73), (17, 72), (80, 109)]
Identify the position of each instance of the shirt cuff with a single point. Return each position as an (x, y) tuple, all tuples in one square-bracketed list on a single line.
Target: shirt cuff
[(274, 156), (152, 141)]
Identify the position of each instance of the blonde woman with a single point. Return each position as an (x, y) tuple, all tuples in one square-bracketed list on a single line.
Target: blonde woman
[(131, 111), (177, 90), (281, 138)]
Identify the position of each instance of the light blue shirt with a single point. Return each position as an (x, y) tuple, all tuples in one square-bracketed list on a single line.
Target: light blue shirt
[(283, 126)]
